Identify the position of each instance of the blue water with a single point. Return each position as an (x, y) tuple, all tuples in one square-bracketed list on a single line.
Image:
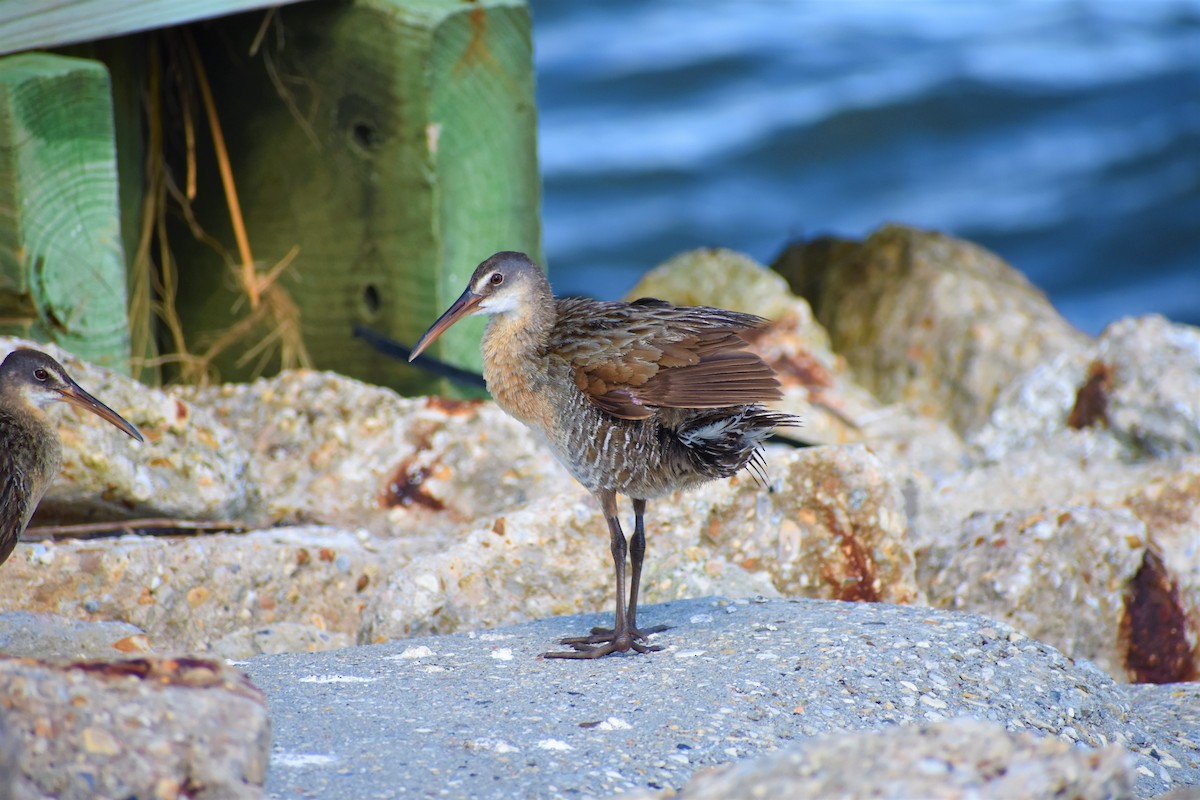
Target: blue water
[(1065, 136)]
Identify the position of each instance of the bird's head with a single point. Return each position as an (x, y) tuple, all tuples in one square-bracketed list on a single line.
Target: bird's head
[(506, 282), (36, 379)]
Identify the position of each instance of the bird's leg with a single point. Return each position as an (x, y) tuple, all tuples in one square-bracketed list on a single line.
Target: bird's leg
[(637, 551), (622, 637)]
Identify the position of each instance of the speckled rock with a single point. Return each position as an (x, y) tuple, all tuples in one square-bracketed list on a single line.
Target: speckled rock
[(146, 728), (832, 525), (548, 557), (190, 594), (1027, 481), (926, 319), (1031, 414), (1110, 424), (330, 449), (1154, 403), (10, 754), (1160, 494), (189, 465), (1027, 567), (27, 635), (1168, 502), (1132, 393), (949, 760), (280, 637)]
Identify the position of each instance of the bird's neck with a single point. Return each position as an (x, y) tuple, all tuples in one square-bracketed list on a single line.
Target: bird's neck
[(514, 358)]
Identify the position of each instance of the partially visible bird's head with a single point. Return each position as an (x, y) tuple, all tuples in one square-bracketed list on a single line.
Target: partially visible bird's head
[(35, 379), (508, 281)]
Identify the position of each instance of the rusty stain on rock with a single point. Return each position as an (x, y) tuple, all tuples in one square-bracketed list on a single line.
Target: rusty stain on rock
[(405, 489), (188, 671), (860, 583), (1091, 401), (1154, 632), (452, 407)]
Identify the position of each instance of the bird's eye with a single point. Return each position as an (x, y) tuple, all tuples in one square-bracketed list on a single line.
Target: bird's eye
[(41, 374), (497, 278)]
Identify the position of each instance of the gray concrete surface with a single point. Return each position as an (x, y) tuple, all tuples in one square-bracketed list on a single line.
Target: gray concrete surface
[(480, 715)]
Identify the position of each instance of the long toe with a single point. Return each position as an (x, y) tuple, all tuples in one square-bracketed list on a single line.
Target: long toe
[(586, 650), (599, 635)]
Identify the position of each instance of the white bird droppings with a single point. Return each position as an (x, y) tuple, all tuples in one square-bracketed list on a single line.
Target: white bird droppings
[(335, 679), (614, 724), (554, 744), (420, 651), (300, 760)]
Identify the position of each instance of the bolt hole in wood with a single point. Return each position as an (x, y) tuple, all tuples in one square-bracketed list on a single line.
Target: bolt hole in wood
[(370, 300), (364, 135)]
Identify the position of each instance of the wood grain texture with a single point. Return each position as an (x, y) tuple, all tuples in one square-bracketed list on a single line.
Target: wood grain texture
[(62, 266), (26, 24)]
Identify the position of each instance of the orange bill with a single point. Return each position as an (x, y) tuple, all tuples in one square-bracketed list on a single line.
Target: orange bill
[(76, 396), (464, 306)]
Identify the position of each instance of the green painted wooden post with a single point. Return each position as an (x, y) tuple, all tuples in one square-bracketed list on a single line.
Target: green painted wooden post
[(62, 269), (406, 155)]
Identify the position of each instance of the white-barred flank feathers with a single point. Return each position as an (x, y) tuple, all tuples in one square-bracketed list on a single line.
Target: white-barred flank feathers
[(721, 442), (712, 432)]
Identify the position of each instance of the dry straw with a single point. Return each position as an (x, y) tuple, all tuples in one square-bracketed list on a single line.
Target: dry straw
[(270, 320)]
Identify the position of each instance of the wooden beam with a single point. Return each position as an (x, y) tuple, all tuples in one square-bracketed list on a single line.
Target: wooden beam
[(29, 24), (393, 142), (62, 268)]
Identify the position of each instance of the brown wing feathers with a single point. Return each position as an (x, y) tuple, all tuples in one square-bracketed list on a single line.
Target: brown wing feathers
[(727, 378), (655, 354)]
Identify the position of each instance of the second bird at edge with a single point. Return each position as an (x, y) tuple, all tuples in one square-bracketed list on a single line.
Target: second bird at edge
[(30, 449), (639, 399)]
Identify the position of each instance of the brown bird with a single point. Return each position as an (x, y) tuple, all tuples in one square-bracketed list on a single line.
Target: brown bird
[(638, 399), (30, 450)]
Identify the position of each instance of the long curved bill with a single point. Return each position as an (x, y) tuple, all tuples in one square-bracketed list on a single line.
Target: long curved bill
[(76, 396), (464, 306)]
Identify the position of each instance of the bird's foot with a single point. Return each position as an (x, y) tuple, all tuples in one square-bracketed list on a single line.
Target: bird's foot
[(604, 641), (600, 635)]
